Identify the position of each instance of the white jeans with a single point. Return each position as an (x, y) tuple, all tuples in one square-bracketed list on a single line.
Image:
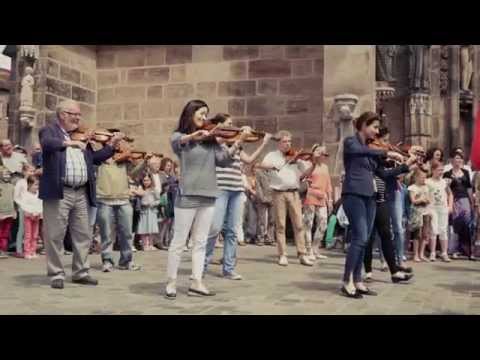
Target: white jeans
[(196, 222)]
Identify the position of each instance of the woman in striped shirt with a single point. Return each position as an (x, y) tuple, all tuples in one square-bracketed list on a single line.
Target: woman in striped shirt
[(228, 206)]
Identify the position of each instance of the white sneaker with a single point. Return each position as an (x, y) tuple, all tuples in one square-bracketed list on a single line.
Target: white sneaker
[(283, 261), (233, 276), (304, 260), (321, 257)]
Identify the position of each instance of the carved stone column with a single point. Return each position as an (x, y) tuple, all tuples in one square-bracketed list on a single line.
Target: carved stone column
[(344, 109), (419, 119)]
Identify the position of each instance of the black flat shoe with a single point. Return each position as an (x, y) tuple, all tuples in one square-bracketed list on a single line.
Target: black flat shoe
[(396, 279), (194, 292), (87, 280), (367, 292), (407, 270), (355, 295)]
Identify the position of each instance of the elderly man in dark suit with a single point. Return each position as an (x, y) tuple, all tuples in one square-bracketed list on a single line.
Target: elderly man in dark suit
[(67, 188)]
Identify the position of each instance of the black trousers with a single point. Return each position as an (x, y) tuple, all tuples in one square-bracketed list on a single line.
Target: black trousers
[(382, 225)]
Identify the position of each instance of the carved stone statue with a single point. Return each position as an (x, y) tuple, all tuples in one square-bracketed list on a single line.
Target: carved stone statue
[(419, 76), (466, 67), (30, 51), (385, 55), (26, 94)]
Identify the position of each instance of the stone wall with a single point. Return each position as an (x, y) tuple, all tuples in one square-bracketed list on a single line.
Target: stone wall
[(70, 73), (142, 89)]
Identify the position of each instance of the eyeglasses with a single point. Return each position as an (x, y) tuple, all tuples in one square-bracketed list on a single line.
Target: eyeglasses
[(72, 114)]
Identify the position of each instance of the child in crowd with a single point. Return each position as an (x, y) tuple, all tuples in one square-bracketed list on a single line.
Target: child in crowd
[(31, 206), (7, 209), (21, 188), (148, 221), (420, 215), (442, 205)]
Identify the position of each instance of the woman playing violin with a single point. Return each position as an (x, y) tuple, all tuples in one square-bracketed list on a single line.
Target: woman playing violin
[(229, 206)]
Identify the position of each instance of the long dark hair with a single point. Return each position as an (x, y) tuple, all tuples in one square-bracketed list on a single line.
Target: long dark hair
[(366, 118), (185, 123), (432, 152)]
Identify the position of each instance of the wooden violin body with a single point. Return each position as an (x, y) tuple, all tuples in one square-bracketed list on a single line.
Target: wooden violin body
[(102, 136), (232, 133)]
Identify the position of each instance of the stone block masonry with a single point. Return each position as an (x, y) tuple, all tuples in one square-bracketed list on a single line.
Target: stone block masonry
[(144, 88)]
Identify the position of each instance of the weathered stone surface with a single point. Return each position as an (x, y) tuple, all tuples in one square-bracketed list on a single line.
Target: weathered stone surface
[(236, 107), (296, 106), (331, 132), (308, 86), (149, 75), (135, 130), (59, 88), (301, 123), (268, 124), (202, 72), (309, 139), (83, 95), (179, 54), (108, 78), (129, 93), (69, 74), (238, 52), (50, 102), (207, 53), (318, 67), (178, 73), (302, 68), (304, 51), (179, 90), (206, 89), (259, 106), (156, 55), (105, 60), (155, 110), (236, 88), (269, 68), (134, 56), (53, 69), (131, 111), (106, 95), (155, 92), (88, 82), (238, 70), (109, 113), (89, 114), (272, 51), (59, 54), (267, 87)]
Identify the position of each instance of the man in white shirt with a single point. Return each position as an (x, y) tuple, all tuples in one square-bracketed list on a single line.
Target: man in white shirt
[(285, 183)]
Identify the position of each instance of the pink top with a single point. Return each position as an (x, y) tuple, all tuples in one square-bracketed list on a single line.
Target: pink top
[(320, 186)]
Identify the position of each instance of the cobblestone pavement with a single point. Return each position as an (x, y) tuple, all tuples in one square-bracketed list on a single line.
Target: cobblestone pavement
[(267, 288)]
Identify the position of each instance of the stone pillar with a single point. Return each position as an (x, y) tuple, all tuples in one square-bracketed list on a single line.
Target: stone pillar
[(348, 69), (453, 104), (419, 119), (345, 106)]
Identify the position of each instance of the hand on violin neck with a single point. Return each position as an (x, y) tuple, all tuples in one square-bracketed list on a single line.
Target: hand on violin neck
[(394, 156), (116, 138)]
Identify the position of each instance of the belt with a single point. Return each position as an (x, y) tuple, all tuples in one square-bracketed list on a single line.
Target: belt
[(74, 188), (287, 190)]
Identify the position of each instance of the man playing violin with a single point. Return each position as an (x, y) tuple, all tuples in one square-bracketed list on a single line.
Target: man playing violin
[(285, 183), (67, 188), (115, 209)]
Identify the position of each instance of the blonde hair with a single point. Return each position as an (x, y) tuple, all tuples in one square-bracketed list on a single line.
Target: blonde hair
[(283, 133)]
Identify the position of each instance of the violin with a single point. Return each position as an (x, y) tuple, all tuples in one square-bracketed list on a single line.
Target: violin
[(141, 155), (232, 133), (101, 136)]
